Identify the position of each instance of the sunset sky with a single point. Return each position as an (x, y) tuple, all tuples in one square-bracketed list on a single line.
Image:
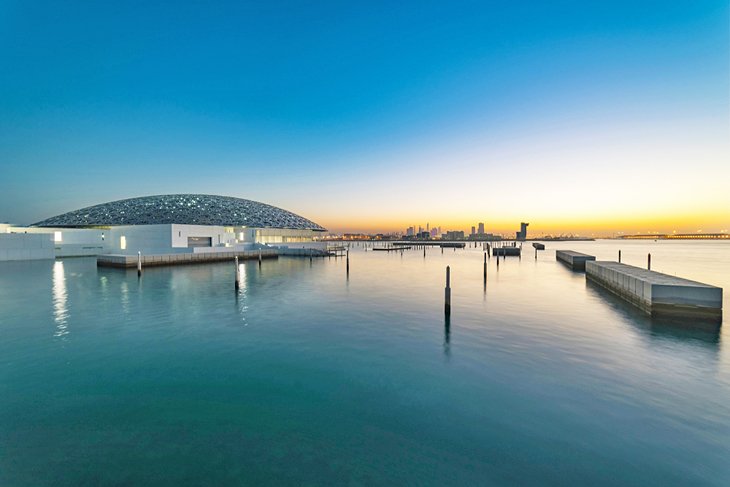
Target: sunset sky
[(578, 117)]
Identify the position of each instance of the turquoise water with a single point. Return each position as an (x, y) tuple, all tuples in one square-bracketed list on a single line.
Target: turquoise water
[(311, 377)]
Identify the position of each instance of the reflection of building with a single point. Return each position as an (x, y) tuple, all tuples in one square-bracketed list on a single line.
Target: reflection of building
[(171, 224), (522, 234)]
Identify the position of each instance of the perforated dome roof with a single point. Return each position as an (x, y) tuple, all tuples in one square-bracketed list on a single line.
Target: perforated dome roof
[(190, 209)]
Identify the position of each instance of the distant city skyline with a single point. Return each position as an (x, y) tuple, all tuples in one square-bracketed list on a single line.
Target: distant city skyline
[(578, 117)]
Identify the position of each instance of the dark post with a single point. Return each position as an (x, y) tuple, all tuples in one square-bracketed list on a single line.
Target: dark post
[(238, 276), (447, 292), (619, 256), (348, 261), (648, 262), (259, 258), (139, 264)]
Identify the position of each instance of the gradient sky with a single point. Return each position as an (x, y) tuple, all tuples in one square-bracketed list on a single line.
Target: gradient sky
[(365, 116)]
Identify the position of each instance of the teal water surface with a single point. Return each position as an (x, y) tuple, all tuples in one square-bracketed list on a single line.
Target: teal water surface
[(308, 376)]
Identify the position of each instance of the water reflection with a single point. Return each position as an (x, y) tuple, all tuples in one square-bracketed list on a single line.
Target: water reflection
[(241, 294), (447, 336), (60, 300), (124, 288), (706, 333)]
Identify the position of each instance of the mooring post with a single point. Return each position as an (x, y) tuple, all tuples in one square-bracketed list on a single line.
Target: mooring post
[(139, 263), (648, 262), (442, 250), (535, 253), (447, 292), (348, 261), (619, 256), (238, 275), (259, 258), (310, 256), (424, 251)]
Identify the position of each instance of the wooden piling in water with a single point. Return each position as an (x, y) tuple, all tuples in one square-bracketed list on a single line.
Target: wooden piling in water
[(619, 256), (447, 292), (238, 273), (348, 260), (648, 262), (139, 264)]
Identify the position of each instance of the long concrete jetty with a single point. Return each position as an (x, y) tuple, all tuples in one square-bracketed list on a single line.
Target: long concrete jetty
[(657, 293), (391, 249), (574, 260), (116, 260), (509, 250)]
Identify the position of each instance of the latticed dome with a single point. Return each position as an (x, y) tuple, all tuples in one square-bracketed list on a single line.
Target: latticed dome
[(189, 209)]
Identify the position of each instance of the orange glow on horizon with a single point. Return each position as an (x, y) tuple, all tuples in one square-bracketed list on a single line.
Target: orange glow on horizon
[(717, 222)]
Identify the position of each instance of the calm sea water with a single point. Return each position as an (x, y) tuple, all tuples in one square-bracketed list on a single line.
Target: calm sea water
[(310, 377)]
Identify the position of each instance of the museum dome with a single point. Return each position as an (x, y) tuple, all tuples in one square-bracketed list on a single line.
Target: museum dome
[(187, 209)]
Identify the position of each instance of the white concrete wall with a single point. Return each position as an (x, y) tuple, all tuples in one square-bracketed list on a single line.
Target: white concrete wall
[(218, 235), (26, 246), (161, 239), (147, 239), (68, 242)]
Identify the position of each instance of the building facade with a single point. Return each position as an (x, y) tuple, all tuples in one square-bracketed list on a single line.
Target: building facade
[(169, 224)]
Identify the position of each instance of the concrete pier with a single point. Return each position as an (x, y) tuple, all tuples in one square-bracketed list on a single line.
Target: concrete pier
[(452, 245), (656, 293), (512, 251), (130, 261), (391, 249), (574, 260)]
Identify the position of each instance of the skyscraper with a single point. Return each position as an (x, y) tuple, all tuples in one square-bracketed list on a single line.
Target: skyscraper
[(522, 234), (481, 228)]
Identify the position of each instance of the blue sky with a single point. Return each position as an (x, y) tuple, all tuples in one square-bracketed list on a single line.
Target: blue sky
[(373, 115)]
